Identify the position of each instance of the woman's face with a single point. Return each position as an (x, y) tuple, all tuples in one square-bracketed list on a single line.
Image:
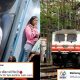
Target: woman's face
[(34, 22)]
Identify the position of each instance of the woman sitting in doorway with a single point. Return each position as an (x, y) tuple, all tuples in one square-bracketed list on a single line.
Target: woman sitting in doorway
[(32, 36)]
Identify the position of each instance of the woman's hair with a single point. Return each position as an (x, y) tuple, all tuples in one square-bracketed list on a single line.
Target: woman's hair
[(11, 59), (31, 20)]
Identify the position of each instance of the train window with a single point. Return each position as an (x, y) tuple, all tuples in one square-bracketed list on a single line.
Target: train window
[(71, 37), (59, 37)]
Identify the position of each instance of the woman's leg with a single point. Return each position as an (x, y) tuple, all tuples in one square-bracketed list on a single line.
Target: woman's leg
[(27, 50)]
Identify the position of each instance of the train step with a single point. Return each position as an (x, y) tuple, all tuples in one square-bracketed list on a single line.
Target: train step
[(48, 71), (48, 75), (45, 64)]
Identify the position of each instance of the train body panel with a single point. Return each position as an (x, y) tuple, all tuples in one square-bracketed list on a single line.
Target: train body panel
[(65, 41)]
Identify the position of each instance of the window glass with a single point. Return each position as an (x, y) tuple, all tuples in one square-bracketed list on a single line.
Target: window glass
[(71, 37), (59, 37)]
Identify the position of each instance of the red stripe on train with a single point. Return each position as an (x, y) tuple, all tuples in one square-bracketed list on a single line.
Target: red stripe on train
[(65, 45), (65, 49)]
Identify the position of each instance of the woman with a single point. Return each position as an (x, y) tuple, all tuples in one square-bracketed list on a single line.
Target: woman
[(32, 36), (11, 59)]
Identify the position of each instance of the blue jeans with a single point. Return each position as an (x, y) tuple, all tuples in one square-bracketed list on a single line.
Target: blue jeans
[(27, 49)]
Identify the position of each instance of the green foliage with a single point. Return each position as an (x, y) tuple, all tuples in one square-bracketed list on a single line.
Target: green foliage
[(58, 14)]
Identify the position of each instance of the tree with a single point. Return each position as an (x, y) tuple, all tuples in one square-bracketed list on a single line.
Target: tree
[(59, 14), (56, 15)]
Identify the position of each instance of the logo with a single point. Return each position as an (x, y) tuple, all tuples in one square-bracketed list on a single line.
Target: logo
[(62, 74)]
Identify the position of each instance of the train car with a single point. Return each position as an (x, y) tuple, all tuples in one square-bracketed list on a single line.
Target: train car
[(6, 20), (66, 47), (14, 15)]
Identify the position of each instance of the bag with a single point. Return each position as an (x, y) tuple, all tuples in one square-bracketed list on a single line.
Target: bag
[(36, 47)]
